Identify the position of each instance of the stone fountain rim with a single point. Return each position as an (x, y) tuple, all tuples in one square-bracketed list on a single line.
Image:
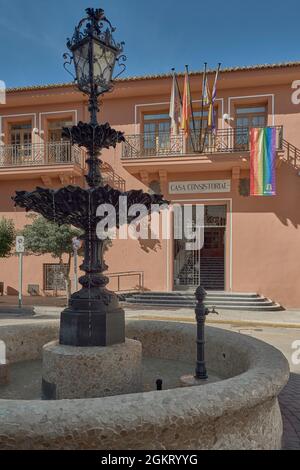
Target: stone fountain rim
[(266, 375)]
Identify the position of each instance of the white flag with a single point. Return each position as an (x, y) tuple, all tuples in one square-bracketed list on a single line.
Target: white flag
[(175, 107)]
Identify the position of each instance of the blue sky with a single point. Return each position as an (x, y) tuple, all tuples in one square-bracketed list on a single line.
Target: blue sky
[(159, 34)]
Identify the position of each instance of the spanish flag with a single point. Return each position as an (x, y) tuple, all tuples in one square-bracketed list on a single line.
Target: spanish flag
[(187, 112)]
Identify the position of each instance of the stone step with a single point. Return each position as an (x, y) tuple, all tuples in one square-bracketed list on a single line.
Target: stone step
[(216, 298), (264, 306), (193, 302), (192, 298), (191, 293)]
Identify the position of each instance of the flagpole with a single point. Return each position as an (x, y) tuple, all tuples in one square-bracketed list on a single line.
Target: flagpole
[(202, 106), (211, 105), (215, 89), (172, 97), (176, 79), (175, 113), (193, 117)]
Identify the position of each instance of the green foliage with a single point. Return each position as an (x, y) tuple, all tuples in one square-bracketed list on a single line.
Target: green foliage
[(7, 237), (43, 237)]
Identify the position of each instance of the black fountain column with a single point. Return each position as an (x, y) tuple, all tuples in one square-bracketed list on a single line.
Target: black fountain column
[(93, 317)]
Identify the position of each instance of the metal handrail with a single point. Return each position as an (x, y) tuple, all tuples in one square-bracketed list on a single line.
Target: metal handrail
[(292, 153), (140, 275), (209, 142), (112, 178)]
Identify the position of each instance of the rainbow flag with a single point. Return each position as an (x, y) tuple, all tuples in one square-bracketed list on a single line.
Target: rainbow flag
[(262, 161)]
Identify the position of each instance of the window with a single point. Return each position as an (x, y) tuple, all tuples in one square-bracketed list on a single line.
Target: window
[(20, 134), (251, 116), (54, 277), (156, 132), (155, 187), (215, 216), (55, 129), (58, 150), (200, 123), (20, 139), (247, 117), (197, 120)]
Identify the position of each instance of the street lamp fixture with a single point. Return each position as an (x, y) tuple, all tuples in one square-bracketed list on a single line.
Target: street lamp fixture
[(94, 53)]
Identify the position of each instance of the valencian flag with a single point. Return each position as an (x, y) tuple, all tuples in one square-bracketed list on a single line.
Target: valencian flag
[(262, 161), (187, 109), (175, 106)]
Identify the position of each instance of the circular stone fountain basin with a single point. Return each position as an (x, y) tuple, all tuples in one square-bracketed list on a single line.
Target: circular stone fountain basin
[(239, 412)]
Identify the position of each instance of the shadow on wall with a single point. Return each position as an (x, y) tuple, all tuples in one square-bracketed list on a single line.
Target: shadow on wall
[(284, 205), (11, 291), (150, 244)]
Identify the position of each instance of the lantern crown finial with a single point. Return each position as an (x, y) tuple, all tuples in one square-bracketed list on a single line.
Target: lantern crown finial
[(94, 52), (96, 25)]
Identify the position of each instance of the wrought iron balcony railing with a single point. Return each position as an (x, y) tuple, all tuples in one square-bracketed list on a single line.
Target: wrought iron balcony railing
[(50, 153), (54, 153), (210, 142)]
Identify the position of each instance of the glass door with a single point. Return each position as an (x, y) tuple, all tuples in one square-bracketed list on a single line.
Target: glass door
[(21, 143), (205, 266), (156, 136), (245, 119), (59, 150)]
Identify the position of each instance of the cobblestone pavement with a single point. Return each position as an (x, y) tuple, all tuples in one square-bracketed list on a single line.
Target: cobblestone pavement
[(290, 407)]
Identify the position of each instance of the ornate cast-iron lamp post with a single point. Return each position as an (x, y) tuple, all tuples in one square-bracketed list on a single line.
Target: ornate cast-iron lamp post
[(94, 53), (93, 316)]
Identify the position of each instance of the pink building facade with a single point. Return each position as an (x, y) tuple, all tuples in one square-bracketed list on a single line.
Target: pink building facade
[(251, 244)]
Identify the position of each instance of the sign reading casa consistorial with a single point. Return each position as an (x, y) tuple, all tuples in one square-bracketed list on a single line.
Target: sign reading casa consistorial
[(190, 187)]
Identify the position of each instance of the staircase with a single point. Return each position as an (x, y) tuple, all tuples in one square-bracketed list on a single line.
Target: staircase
[(218, 299), (212, 273), (292, 154), (112, 178)]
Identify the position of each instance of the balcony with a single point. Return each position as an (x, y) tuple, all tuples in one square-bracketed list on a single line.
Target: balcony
[(222, 141), (48, 160), (51, 153), (44, 161), (222, 150)]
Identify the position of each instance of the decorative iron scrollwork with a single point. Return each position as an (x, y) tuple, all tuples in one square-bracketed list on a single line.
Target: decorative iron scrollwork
[(78, 206), (93, 138)]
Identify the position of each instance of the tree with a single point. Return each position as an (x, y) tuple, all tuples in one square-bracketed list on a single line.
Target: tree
[(7, 237), (44, 237)]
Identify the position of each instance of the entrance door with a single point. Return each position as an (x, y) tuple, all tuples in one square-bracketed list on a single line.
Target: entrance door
[(207, 265)]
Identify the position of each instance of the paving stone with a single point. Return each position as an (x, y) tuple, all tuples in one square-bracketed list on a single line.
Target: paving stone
[(289, 402)]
